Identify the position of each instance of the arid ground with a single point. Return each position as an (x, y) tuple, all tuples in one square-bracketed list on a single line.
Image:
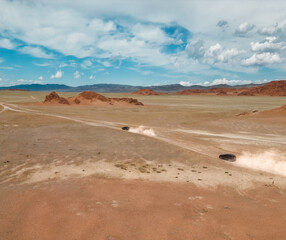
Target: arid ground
[(71, 173)]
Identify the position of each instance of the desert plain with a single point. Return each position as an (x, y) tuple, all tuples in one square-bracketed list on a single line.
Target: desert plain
[(71, 172)]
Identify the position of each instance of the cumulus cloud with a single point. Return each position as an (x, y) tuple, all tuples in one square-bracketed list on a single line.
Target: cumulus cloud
[(6, 43), (40, 78), (269, 30), (195, 50), (243, 29), (260, 59), (91, 77), (228, 54), (216, 53), (76, 74), (58, 74), (269, 44), (229, 82), (185, 84), (222, 24), (35, 51)]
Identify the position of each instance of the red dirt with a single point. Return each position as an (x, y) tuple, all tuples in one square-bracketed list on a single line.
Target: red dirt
[(89, 98), (276, 112), (146, 92), (93, 208), (272, 113)]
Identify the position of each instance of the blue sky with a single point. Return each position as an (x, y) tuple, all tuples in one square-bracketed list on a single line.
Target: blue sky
[(142, 42)]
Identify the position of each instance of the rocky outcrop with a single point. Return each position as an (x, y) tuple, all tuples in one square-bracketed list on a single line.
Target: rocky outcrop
[(132, 101), (54, 98), (274, 88), (192, 91), (145, 92), (89, 98)]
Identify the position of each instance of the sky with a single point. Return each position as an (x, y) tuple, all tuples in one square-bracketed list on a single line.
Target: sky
[(150, 42)]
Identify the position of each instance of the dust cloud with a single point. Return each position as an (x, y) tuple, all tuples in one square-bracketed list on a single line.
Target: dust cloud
[(143, 130), (268, 161)]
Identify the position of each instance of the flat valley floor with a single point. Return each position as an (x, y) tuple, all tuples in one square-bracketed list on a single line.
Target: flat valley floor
[(72, 173)]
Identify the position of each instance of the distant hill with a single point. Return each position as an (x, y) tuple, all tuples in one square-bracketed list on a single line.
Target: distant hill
[(274, 88), (146, 92), (38, 87), (115, 88)]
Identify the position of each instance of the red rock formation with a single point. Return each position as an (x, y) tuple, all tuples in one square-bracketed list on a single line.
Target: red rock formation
[(221, 93), (191, 91), (146, 92), (274, 88), (89, 98), (54, 98), (128, 100)]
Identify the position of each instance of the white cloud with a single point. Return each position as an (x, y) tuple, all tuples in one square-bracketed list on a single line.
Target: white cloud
[(214, 50), (76, 74), (23, 81), (6, 43), (262, 59), (100, 26), (244, 28), (35, 51), (229, 82), (216, 53), (40, 78), (106, 63), (195, 50), (228, 54), (91, 77), (269, 44), (150, 33), (269, 30), (58, 74), (86, 64), (186, 84), (0, 79), (42, 64), (62, 65)]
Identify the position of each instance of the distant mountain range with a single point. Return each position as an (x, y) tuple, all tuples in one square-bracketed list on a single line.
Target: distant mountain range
[(115, 88)]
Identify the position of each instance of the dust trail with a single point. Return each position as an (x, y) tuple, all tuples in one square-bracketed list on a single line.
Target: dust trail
[(268, 161), (262, 138), (143, 130)]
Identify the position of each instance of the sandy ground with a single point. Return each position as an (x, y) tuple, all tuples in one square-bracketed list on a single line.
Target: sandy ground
[(72, 173)]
